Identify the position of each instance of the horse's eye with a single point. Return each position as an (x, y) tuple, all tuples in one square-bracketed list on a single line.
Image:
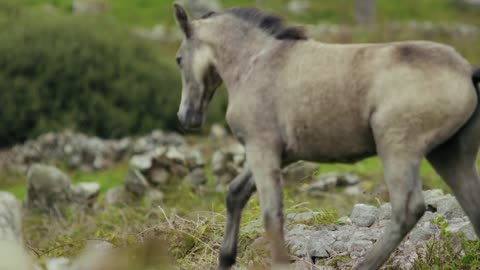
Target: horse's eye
[(179, 61)]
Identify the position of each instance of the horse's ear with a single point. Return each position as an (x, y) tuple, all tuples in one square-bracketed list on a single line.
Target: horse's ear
[(182, 20)]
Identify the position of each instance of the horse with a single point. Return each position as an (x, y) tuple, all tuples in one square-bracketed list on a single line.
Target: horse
[(293, 98)]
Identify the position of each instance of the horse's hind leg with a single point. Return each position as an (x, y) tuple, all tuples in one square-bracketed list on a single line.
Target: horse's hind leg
[(455, 162), (404, 186)]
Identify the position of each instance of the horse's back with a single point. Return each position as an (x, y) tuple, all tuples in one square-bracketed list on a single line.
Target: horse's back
[(338, 101)]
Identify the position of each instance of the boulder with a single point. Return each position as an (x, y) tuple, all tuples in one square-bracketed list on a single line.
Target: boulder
[(10, 218), (48, 189), (12, 254)]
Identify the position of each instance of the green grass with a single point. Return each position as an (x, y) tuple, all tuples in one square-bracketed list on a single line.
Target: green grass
[(150, 12)]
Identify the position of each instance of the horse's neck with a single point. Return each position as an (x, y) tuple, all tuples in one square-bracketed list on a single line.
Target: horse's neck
[(237, 55)]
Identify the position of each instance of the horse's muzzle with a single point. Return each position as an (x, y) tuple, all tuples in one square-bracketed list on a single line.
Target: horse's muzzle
[(191, 119)]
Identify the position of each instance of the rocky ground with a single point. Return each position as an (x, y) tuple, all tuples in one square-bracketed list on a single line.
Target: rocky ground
[(317, 239)]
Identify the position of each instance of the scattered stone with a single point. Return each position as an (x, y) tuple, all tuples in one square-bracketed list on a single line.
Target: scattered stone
[(136, 183), (432, 197), (197, 177), (48, 189), (299, 171), (86, 193), (345, 221), (347, 179), (158, 177), (364, 215), (228, 162)]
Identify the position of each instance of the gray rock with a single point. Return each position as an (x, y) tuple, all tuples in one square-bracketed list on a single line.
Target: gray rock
[(345, 220), (299, 171), (321, 184), (175, 155), (117, 196), (158, 176), (421, 232), (10, 218), (347, 179), (141, 162), (14, 257), (57, 264), (85, 193), (432, 197), (197, 177), (136, 183), (385, 211), (364, 215), (464, 228), (49, 189), (449, 207)]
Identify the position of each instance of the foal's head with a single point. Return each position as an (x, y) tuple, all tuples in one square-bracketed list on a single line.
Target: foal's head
[(199, 75)]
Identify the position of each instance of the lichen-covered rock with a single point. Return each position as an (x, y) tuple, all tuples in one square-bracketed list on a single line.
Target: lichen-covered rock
[(364, 215), (48, 188), (136, 183)]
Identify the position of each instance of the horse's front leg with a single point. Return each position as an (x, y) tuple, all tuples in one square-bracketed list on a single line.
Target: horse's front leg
[(240, 191), (264, 159)]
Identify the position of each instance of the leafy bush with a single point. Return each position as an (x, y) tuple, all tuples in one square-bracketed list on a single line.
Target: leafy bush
[(84, 73)]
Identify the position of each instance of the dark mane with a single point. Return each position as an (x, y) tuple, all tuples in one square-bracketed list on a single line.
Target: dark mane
[(271, 24)]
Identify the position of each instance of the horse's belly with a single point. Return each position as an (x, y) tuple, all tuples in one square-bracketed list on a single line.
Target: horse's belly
[(337, 142)]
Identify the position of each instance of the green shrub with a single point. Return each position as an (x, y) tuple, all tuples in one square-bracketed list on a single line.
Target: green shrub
[(83, 73)]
